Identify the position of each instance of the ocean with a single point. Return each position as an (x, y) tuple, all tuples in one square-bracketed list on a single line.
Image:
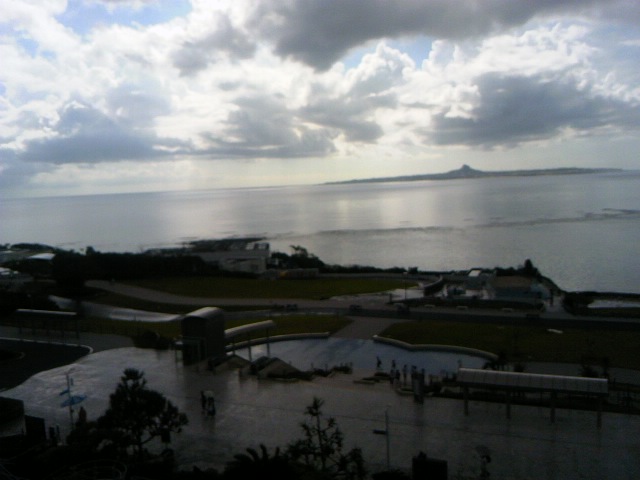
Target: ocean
[(582, 231)]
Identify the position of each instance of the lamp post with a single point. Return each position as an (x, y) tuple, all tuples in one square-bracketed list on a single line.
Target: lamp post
[(405, 286), (386, 426), (385, 432), (71, 400)]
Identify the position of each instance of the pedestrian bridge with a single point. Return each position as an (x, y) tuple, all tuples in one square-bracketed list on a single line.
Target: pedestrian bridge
[(516, 383)]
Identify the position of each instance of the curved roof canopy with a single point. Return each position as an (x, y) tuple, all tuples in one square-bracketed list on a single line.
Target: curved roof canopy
[(235, 331), (206, 313)]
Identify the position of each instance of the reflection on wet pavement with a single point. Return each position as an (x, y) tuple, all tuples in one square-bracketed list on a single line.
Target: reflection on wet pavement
[(252, 411)]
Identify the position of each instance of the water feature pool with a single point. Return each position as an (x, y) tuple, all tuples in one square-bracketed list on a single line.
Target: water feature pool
[(361, 354)]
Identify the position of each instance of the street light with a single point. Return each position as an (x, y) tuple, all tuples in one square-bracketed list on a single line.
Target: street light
[(385, 432), (71, 400), (405, 286)]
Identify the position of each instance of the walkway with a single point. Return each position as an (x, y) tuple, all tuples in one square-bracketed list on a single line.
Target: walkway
[(253, 412)]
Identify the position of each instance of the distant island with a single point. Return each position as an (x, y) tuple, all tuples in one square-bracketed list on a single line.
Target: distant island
[(467, 172)]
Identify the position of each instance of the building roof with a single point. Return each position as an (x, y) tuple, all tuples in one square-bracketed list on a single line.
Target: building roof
[(473, 377), (47, 256)]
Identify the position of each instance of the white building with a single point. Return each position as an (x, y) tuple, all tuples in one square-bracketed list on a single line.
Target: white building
[(241, 256)]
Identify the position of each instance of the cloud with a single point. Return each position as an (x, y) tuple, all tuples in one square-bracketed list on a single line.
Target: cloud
[(222, 38), (262, 127), (517, 109), (85, 135), (16, 174), (538, 84), (320, 33), (137, 106), (112, 5), (351, 102), (346, 81), (36, 22)]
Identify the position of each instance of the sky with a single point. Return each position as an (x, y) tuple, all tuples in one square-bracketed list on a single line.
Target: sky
[(108, 96)]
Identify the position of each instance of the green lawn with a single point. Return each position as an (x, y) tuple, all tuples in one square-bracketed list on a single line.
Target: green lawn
[(311, 289), (526, 343), (269, 290)]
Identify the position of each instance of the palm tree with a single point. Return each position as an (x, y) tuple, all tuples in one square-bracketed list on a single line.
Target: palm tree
[(254, 465)]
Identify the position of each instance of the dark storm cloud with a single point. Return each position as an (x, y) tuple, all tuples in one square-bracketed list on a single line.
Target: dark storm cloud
[(320, 33), (223, 39), (264, 127), (514, 110), (86, 135)]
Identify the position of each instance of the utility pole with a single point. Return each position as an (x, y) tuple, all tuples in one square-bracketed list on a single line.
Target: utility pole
[(405, 274)]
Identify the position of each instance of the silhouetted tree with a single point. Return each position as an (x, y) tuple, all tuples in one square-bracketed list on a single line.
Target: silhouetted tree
[(301, 258), (322, 447), (136, 414), (70, 269), (529, 269)]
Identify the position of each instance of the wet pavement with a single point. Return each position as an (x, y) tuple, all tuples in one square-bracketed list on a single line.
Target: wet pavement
[(251, 412)]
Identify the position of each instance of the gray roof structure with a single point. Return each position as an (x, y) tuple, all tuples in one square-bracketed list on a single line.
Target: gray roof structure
[(206, 313), (480, 378), (251, 327)]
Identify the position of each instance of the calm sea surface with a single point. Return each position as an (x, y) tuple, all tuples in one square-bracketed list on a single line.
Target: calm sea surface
[(583, 231)]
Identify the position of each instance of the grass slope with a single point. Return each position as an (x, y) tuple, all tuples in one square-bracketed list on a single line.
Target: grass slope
[(229, 287), (527, 343)]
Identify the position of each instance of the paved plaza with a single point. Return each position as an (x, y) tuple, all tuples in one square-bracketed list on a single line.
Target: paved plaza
[(251, 412)]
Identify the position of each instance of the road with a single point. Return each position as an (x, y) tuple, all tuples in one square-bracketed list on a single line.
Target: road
[(377, 307)]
